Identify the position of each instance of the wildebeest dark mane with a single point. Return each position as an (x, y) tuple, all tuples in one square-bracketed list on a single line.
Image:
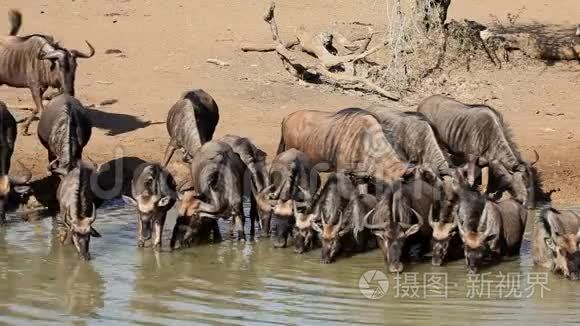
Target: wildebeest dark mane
[(543, 217), (476, 202)]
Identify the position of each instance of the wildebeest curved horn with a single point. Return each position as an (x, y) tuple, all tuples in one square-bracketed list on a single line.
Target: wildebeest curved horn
[(483, 219), (51, 55), (536, 159), (93, 216), (306, 193), (322, 217), (430, 219), (22, 180), (79, 54), (211, 209), (373, 226)]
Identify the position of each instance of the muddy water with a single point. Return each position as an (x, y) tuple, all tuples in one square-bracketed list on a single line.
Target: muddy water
[(252, 283)]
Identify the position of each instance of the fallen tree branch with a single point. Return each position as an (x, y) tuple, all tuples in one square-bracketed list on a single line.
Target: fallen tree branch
[(322, 49), (267, 48)]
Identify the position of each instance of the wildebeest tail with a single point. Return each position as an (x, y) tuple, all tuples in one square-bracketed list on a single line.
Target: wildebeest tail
[(73, 137), (15, 18), (281, 145)]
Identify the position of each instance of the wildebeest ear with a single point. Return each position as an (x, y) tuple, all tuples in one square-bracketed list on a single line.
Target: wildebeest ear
[(412, 230), (164, 201), (490, 237), (95, 233), (260, 155), (316, 227), (129, 201), (550, 244)]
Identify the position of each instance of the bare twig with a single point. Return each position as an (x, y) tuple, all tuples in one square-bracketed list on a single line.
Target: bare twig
[(217, 62)]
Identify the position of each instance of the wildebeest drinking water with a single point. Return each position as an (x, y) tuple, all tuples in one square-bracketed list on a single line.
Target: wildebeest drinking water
[(8, 184), (489, 230), (478, 131), (341, 210), (37, 62), (292, 178), (64, 130), (77, 207), (556, 241), (154, 193), (217, 190), (191, 123)]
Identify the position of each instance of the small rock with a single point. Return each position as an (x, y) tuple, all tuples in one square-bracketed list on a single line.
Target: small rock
[(537, 111), (113, 51), (114, 21)]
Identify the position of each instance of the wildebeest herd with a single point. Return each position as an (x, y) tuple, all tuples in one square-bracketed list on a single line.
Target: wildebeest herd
[(446, 181)]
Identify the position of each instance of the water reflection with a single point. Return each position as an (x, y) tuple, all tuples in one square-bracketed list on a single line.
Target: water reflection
[(249, 283)]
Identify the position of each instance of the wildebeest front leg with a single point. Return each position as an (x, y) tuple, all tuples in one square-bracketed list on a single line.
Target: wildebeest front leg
[(238, 219), (169, 151), (140, 240), (254, 215), (37, 97), (159, 224)]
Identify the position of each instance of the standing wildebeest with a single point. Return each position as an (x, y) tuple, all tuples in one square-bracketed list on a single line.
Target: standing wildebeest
[(8, 184), (350, 141), (37, 62), (191, 123), (556, 242), (399, 220), (64, 130), (479, 131), (77, 207), (292, 179), (414, 136), (217, 179), (153, 191), (489, 230), (253, 158), (255, 172)]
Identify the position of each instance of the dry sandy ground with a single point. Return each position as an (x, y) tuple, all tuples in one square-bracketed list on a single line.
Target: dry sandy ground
[(165, 45)]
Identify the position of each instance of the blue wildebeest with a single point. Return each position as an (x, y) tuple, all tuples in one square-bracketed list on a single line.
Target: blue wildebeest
[(556, 242), (153, 194), (37, 62), (9, 184), (414, 136), (77, 207), (340, 209), (191, 122), (255, 172), (292, 179), (490, 230), (479, 132), (217, 181), (349, 141), (64, 130), (399, 220)]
